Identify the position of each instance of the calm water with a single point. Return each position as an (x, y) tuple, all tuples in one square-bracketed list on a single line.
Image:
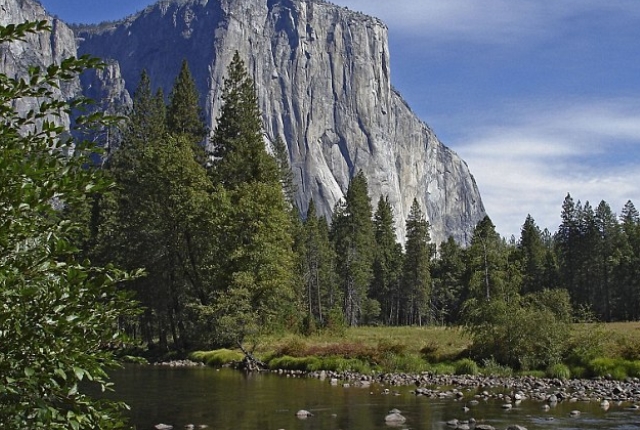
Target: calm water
[(227, 399)]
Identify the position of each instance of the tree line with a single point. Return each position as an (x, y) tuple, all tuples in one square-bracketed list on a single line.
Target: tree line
[(226, 252)]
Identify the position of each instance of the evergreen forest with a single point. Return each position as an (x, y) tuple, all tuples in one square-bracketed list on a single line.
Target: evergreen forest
[(226, 252)]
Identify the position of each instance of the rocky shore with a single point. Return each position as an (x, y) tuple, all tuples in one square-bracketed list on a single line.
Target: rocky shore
[(507, 389)]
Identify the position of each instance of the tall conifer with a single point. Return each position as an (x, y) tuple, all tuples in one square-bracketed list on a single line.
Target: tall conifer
[(353, 238), (238, 144)]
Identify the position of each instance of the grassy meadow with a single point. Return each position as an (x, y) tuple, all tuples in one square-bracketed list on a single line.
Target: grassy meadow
[(607, 350)]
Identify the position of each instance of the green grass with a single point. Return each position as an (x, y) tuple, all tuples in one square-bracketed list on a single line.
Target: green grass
[(466, 366), (218, 357), (558, 371), (435, 349)]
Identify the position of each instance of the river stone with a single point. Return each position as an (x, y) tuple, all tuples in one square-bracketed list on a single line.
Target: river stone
[(163, 426), (516, 427), (303, 414), (395, 418)]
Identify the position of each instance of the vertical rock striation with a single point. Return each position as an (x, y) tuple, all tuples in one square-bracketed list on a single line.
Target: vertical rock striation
[(323, 81)]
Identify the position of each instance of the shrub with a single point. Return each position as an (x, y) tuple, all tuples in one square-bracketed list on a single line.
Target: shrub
[(589, 344), (523, 333), (629, 349), (442, 369), (578, 372), (558, 371), (619, 372), (602, 367), (430, 352), (466, 366), (633, 368), (294, 347), (218, 357), (491, 367)]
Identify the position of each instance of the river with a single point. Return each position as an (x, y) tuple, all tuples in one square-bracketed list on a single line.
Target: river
[(227, 399)]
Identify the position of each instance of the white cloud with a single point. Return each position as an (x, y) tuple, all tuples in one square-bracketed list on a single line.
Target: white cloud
[(528, 165), (492, 21)]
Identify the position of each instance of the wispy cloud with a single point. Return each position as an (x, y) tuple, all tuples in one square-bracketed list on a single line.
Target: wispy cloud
[(528, 165), (488, 21)]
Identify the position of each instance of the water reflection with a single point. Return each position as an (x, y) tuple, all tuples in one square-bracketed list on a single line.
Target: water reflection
[(226, 399)]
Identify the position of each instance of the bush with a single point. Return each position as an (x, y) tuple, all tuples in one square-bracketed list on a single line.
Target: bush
[(602, 367), (633, 368), (218, 357), (518, 332), (578, 372), (491, 367), (466, 366), (619, 373), (442, 369), (589, 344), (294, 347), (430, 352), (558, 371)]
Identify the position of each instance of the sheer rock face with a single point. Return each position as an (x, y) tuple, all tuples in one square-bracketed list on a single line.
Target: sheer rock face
[(323, 81), (37, 50)]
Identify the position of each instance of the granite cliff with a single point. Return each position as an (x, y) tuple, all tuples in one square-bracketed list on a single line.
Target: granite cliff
[(323, 80)]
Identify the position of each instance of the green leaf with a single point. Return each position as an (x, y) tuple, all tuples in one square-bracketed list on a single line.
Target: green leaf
[(78, 372)]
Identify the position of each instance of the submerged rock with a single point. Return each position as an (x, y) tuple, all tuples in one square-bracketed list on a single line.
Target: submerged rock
[(303, 414), (395, 418)]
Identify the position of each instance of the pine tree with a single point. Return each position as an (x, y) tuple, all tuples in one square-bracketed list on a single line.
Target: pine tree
[(629, 273), (318, 267), (184, 115), (281, 154), (531, 253), (609, 254), (353, 240), (487, 264), (416, 275), (567, 241), (258, 241), (385, 287), (448, 280), (238, 144)]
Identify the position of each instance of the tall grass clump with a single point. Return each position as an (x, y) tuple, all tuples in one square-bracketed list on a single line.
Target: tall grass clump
[(466, 366), (216, 358), (558, 371), (633, 368), (491, 367), (602, 366)]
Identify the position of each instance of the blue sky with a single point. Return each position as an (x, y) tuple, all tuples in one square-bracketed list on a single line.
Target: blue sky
[(540, 97)]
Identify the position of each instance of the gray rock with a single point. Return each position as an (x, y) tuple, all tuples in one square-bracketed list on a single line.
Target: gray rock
[(323, 81), (395, 418), (303, 414), (37, 50)]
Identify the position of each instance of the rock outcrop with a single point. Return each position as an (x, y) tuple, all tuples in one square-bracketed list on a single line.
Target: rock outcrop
[(323, 81), (37, 50)]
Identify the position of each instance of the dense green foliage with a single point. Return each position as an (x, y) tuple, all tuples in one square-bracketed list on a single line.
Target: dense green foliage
[(59, 312), (228, 257)]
